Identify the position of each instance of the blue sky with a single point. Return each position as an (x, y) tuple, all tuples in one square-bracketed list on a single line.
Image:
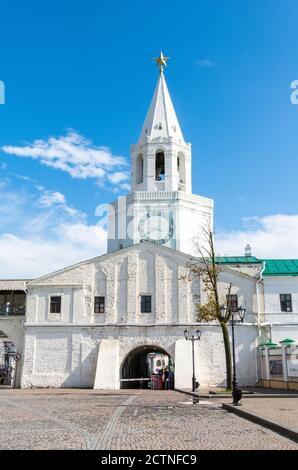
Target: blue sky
[(87, 66)]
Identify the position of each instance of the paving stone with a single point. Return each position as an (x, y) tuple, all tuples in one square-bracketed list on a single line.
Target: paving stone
[(128, 419)]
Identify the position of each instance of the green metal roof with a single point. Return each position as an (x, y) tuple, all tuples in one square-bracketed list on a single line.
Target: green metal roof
[(281, 267), (288, 340), (269, 344), (273, 267), (237, 260)]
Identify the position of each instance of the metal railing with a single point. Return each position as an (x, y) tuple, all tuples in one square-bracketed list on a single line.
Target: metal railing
[(7, 309)]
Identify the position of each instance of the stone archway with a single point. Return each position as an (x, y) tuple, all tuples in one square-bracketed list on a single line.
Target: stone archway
[(143, 363), (9, 357), (12, 331)]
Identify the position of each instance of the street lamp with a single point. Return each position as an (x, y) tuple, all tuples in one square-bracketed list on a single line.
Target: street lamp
[(229, 314), (194, 336)]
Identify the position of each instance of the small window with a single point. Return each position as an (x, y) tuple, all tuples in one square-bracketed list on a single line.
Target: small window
[(99, 305), (55, 304), (286, 302), (233, 302), (146, 303)]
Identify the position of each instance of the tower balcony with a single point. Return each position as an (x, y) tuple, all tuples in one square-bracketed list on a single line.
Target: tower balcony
[(169, 195)]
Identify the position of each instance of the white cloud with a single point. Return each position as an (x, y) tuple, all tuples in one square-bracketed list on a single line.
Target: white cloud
[(35, 209), (55, 199), (73, 154), (50, 198), (41, 232), (11, 203), (32, 257), (118, 176), (205, 63), (125, 186), (272, 236)]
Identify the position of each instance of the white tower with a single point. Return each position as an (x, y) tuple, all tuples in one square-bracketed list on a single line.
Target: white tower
[(161, 206)]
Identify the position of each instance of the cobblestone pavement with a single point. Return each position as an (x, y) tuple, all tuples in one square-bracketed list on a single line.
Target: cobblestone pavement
[(283, 411), (128, 419)]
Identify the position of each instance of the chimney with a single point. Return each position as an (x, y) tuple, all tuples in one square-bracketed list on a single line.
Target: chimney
[(248, 250)]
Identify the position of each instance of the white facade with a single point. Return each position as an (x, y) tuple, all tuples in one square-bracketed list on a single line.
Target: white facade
[(80, 349), (281, 324)]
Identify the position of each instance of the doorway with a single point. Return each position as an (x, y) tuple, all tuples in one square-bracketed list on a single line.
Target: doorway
[(8, 361), (147, 367)]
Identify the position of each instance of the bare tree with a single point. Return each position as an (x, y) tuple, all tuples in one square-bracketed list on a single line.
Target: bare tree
[(208, 269)]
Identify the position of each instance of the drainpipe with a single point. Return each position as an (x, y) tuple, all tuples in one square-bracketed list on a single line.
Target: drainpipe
[(258, 295), (260, 278)]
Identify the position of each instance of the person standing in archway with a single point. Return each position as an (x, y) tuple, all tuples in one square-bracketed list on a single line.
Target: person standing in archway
[(171, 378), (166, 378)]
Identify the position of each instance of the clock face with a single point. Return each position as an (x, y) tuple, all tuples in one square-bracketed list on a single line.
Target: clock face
[(156, 226)]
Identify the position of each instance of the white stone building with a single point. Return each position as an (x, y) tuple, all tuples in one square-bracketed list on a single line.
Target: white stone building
[(92, 324), (77, 347)]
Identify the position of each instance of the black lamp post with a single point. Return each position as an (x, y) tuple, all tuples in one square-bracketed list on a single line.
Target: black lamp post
[(194, 336), (227, 313)]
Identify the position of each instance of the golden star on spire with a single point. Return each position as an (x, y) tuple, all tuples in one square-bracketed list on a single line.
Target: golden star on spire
[(161, 62)]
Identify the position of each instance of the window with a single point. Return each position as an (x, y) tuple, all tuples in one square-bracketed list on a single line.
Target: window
[(233, 302), (181, 168), (140, 169), (146, 303), (99, 305), (160, 166), (55, 304), (286, 302)]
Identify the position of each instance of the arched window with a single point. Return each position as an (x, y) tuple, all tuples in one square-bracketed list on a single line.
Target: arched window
[(181, 168), (160, 166), (139, 169)]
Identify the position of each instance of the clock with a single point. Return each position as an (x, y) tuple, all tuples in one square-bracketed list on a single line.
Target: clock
[(156, 226)]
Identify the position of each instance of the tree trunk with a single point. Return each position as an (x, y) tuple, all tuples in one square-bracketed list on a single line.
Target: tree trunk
[(226, 339)]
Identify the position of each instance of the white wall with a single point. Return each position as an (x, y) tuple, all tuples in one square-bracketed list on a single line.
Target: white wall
[(62, 350), (121, 277), (88, 357), (273, 287)]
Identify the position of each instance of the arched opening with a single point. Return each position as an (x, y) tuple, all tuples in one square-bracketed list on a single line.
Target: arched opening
[(181, 170), (8, 361), (148, 367), (140, 169), (160, 166)]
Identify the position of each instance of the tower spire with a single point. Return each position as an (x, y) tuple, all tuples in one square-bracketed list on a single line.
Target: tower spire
[(161, 119), (161, 62)]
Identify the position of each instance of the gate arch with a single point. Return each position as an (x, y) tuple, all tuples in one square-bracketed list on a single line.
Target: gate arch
[(136, 365), (14, 330), (9, 358)]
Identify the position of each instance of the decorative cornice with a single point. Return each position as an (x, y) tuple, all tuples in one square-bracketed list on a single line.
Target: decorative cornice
[(170, 195)]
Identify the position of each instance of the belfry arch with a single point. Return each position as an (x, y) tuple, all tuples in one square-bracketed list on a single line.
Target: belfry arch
[(140, 169), (181, 168), (160, 165)]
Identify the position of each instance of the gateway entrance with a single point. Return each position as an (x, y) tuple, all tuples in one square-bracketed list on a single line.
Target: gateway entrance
[(8, 361), (148, 367)]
